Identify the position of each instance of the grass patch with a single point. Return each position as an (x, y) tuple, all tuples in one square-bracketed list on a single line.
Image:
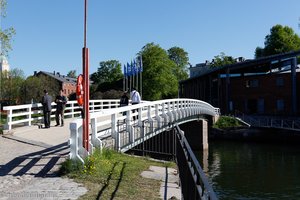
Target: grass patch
[(112, 175), (225, 122)]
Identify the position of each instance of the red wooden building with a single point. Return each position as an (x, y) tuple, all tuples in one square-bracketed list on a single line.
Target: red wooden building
[(264, 86)]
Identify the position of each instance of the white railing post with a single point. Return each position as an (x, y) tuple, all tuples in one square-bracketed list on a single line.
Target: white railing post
[(9, 119), (96, 142), (169, 113), (72, 109), (157, 116), (128, 122), (77, 152), (29, 116), (114, 132), (140, 116), (178, 110), (164, 115), (150, 119)]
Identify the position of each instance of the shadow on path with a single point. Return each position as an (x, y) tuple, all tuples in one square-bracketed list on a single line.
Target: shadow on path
[(38, 163)]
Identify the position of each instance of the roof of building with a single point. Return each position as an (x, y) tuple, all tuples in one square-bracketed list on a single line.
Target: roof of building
[(59, 77), (263, 64)]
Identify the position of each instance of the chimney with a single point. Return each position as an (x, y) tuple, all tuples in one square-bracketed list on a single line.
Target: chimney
[(58, 74), (54, 73), (35, 73)]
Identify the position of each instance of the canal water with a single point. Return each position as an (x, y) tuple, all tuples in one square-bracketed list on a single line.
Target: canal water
[(252, 171)]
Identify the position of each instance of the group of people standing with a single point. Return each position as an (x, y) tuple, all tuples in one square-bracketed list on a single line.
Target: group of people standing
[(60, 101)]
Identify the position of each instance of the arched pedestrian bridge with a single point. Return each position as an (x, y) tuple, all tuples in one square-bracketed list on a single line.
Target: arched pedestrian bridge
[(110, 120), (131, 125), (127, 127)]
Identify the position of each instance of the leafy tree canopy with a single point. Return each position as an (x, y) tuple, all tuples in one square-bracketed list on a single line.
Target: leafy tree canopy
[(221, 60), (281, 39), (6, 34), (181, 59), (159, 81), (10, 82), (33, 87), (108, 71), (72, 74)]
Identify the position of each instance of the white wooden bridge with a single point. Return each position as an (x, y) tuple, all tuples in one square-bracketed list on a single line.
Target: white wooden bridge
[(108, 120)]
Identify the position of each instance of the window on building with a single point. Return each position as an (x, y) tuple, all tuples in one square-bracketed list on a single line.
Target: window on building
[(279, 81), (280, 105), (252, 83)]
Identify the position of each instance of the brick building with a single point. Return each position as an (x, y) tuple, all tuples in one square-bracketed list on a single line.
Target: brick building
[(67, 84), (264, 86)]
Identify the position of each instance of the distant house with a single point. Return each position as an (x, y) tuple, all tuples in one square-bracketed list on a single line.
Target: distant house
[(67, 84), (264, 86)]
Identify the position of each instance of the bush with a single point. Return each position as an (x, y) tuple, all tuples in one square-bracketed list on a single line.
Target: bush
[(70, 166), (112, 94), (226, 122)]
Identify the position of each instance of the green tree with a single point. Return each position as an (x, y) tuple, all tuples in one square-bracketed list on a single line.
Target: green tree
[(221, 60), (5, 34), (32, 90), (108, 71), (181, 59), (72, 74), (281, 39), (33, 87), (159, 81), (10, 82)]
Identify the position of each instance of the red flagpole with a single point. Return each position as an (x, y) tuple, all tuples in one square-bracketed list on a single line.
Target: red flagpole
[(86, 89)]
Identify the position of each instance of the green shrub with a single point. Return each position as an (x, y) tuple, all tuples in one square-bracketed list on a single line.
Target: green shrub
[(226, 122), (70, 166)]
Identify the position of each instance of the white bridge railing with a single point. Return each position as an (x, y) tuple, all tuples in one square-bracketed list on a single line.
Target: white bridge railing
[(30, 114), (151, 118)]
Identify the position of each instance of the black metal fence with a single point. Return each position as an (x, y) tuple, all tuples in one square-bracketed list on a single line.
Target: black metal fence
[(194, 184), (172, 145)]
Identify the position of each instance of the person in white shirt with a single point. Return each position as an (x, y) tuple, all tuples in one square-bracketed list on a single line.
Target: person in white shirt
[(135, 99)]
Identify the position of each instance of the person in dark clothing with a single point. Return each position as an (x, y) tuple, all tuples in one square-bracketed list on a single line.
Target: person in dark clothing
[(61, 102), (46, 102), (124, 101)]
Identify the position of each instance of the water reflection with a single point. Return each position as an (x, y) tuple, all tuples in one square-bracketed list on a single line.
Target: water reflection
[(252, 171)]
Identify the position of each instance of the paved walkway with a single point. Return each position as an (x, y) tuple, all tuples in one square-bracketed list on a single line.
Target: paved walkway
[(29, 160)]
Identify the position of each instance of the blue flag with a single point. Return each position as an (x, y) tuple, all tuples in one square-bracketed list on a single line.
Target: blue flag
[(125, 71), (131, 68), (134, 68), (128, 69)]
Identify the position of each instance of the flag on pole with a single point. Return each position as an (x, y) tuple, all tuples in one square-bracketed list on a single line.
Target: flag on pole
[(141, 64), (131, 68), (125, 71), (128, 69), (134, 68)]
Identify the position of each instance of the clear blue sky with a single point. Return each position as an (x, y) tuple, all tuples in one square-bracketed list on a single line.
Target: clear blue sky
[(50, 32)]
